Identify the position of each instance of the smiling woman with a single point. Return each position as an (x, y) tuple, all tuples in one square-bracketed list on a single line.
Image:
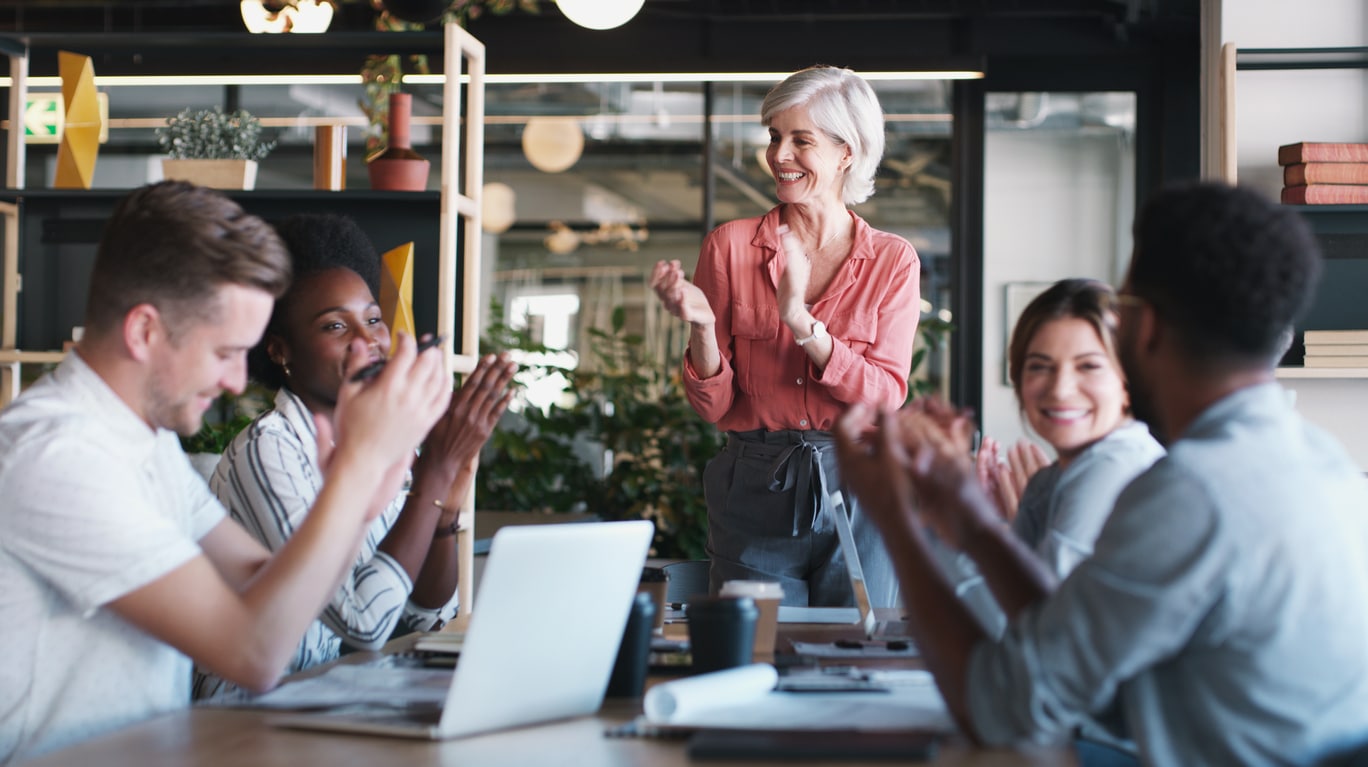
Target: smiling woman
[(1071, 391), (327, 325), (793, 316)]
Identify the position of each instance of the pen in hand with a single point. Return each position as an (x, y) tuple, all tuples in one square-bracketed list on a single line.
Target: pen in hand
[(373, 369)]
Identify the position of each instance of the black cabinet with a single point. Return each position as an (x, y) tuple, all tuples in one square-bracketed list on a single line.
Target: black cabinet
[(1342, 298)]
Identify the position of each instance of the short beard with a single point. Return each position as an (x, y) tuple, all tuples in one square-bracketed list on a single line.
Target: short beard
[(1142, 406)]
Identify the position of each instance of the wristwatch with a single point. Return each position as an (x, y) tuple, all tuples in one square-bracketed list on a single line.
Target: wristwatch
[(818, 331)]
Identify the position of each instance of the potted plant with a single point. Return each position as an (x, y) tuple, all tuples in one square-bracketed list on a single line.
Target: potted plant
[(382, 75), (213, 148)]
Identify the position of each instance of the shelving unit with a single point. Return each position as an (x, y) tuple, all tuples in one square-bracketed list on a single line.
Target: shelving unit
[(60, 256), (1342, 230)]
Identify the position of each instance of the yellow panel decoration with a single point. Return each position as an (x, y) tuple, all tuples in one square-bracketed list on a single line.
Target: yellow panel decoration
[(396, 290), (81, 130)]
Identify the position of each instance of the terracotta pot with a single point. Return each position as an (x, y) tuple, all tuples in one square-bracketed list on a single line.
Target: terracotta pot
[(215, 174), (399, 168)]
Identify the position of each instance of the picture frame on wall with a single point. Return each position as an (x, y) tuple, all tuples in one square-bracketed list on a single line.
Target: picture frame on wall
[(1016, 296)]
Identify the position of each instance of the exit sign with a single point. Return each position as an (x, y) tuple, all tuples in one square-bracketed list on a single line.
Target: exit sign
[(44, 115)]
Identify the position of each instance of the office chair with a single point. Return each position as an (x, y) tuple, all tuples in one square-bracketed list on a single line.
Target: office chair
[(687, 579)]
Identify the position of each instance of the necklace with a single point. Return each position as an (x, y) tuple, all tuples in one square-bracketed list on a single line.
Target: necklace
[(833, 238)]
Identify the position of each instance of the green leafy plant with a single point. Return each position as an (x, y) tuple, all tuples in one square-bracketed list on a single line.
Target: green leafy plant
[(212, 134), (624, 445), (934, 332), (228, 415)]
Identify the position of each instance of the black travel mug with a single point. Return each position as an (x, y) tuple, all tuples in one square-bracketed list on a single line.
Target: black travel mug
[(721, 632), (629, 672)]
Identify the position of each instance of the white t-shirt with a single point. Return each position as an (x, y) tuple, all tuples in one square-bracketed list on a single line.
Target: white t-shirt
[(96, 505)]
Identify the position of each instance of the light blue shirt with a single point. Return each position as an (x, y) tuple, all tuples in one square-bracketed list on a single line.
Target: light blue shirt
[(1060, 514), (1225, 607), (1063, 508)]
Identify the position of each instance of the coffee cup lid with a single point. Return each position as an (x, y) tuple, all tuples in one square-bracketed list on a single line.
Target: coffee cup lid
[(753, 589)]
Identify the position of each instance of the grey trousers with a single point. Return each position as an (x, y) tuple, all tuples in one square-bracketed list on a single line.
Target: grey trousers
[(769, 518)]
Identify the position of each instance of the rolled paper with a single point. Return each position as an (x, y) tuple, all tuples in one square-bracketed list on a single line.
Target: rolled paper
[(675, 702)]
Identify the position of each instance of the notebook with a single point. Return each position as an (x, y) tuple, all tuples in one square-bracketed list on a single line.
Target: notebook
[(863, 611), (553, 604)]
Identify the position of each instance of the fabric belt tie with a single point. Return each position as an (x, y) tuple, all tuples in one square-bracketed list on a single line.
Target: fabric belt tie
[(796, 464)]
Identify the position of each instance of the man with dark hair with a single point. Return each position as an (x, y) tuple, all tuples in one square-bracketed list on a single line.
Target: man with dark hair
[(1221, 618), (119, 565)]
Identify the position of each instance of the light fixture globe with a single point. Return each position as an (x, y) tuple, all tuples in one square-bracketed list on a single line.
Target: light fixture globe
[(600, 14), (498, 207), (552, 144)]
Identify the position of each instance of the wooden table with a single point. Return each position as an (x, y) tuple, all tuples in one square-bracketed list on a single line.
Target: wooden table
[(209, 737)]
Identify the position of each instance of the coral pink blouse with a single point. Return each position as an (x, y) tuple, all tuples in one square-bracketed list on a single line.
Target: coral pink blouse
[(767, 381)]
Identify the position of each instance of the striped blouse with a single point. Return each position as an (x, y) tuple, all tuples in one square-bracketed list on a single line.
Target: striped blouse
[(268, 479)]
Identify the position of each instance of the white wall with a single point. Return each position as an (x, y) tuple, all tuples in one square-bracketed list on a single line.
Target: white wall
[(1054, 203), (1283, 107)]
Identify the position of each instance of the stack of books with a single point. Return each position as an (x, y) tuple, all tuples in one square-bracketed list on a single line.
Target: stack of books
[(1336, 348), (1321, 173)]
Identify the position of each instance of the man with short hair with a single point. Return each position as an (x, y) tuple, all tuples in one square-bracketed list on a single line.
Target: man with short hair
[(119, 566), (1221, 618)]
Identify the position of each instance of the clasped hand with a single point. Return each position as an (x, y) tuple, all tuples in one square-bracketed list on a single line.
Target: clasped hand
[(913, 466)]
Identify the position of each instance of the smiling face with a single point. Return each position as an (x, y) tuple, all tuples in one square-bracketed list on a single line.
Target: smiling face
[(1072, 391), (808, 166), (324, 312), (190, 369)]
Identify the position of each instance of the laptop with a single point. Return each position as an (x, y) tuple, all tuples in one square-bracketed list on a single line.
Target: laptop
[(863, 611), (553, 604)]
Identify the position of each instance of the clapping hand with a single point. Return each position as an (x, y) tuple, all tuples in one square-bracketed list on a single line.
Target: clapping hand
[(873, 465), (682, 298), (455, 441), (793, 283), (381, 421), (937, 438), (1005, 480)]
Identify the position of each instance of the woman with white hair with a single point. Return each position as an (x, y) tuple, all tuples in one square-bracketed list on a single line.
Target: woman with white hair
[(794, 316)]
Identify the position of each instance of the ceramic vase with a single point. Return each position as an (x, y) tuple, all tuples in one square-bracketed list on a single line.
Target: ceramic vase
[(399, 168)]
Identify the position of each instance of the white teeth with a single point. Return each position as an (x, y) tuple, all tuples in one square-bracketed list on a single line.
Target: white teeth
[(1065, 414), (790, 176)]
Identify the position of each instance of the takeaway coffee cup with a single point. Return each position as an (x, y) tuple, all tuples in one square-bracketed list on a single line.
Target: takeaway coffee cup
[(767, 596), (656, 582), (721, 632)]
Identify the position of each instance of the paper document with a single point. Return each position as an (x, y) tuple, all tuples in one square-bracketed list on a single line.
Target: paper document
[(441, 641), (744, 698), (347, 685)]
